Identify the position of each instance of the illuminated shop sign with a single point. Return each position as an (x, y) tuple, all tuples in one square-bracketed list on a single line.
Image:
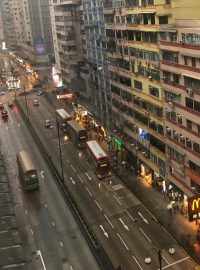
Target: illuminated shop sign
[(69, 95), (194, 208)]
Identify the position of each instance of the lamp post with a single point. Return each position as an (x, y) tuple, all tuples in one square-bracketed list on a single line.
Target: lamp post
[(26, 104), (147, 260), (60, 153)]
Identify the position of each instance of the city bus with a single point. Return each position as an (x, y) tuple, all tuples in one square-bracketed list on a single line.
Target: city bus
[(77, 133), (98, 159), (27, 171), (62, 117)]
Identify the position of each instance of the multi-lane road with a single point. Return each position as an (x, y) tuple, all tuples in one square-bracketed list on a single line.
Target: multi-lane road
[(48, 230), (126, 230)]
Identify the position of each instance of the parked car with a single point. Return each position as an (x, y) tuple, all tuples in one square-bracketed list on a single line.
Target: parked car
[(48, 124), (1, 106), (2, 93), (35, 102)]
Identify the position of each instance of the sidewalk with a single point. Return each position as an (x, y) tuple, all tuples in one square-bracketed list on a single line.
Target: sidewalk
[(176, 224)]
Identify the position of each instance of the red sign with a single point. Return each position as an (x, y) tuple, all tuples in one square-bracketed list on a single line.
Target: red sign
[(69, 95), (193, 175)]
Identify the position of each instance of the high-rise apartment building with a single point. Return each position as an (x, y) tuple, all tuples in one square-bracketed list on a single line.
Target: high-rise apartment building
[(96, 57), (152, 48), (66, 28)]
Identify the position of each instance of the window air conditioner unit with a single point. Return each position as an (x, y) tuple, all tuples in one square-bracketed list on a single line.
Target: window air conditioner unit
[(189, 91)]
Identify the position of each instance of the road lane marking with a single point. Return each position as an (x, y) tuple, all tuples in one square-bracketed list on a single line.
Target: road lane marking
[(31, 231), (106, 185), (105, 233), (125, 226), (80, 179), (89, 177), (45, 205), (61, 244), (145, 235), (42, 174), (144, 219), (53, 223), (129, 215), (73, 168), (123, 241), (26, 212), (137, 262), (40, 254), (109, 221), (72, 180), (88, 191), (98, 205), (71, 267), (176, 262), (117, 199)]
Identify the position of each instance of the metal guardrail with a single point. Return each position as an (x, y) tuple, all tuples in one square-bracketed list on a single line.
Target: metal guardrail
[(96, 248)]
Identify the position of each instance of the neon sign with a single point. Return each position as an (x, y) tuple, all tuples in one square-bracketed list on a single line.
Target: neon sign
[(194, 208)]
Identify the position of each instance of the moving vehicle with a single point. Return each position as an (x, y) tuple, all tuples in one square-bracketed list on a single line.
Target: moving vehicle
[(48, 124), (76, 133), (40, 93), (35, 102), (4, 114), (98, 159), (62, 117), (10, 104), (27, 171)]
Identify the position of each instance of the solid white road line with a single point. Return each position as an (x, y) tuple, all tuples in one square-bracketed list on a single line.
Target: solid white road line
[(169, 265), (31, 231), (73, 168), (88, 191), (109, 221), (129, 215), (98, 205), (117, 199), (122, 241), (145, 235), (106, 185), (61, 244), (80, 179), (71, 267), (40, 254), (137, 262)]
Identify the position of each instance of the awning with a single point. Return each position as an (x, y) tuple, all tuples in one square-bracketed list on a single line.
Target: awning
[(192, 76), (190, 54)]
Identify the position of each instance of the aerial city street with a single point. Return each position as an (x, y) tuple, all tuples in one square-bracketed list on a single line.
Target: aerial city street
[(99, 135)]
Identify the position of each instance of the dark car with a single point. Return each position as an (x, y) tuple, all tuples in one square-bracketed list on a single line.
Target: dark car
[(4, 113), (48, 124), (35, 102), (1, 106), (10, 104)]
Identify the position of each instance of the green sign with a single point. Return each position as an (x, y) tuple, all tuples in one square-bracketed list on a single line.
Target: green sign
[(118, 143)]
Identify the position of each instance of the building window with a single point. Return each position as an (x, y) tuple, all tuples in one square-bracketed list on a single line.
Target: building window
[(170, 56), (196, 106), (189, 103), (154, 91), (188, 143), (196, 147), (163, 36), (186, 60), (194, 167), (167, 2), (182, 139), (193, 62), (189, 124), (138, 85), (163, 20)]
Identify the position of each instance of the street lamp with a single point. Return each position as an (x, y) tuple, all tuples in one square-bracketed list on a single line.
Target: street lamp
[(147, 260), (60, 153), (26, 104)]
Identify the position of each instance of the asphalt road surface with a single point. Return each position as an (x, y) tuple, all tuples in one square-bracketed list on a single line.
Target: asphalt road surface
[(50, 236), (126, 230)]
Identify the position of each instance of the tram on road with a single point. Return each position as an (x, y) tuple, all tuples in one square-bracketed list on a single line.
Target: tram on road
[(27, 171), (98, 159), (62, 117), (77, 133)]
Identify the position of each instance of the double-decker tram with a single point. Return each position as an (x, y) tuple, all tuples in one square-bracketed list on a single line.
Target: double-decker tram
[(27, 171), (98, 159), (62, 117), (77, 133)]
